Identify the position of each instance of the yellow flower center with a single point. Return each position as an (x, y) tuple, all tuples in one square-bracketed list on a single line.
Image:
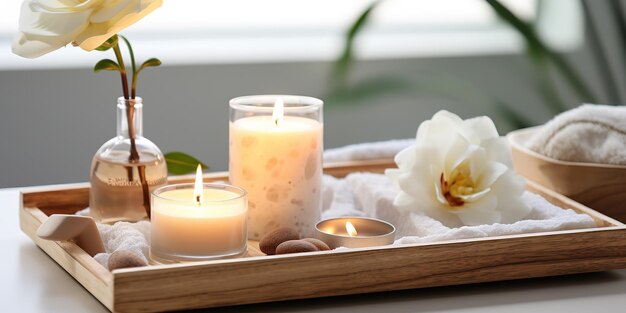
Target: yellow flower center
[(458, 185)]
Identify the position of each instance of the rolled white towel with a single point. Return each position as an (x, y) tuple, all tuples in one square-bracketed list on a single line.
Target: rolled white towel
[(589, 134)]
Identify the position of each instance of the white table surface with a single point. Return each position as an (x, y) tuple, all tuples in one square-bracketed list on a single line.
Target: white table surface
[(30, 281)]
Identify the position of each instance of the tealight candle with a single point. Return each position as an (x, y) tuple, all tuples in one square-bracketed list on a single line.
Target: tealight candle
[(198, 221), (276, 147), (355, 232)]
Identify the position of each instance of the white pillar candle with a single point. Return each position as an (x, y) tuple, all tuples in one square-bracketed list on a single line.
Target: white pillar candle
[(276, 145), (198, 222)]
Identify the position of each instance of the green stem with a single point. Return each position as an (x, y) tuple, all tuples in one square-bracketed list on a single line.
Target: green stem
[(133, 67), (130, 113), (120, 61), (130, 107)]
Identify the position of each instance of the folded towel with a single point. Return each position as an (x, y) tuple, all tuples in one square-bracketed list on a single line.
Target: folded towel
[(373, 196), (589, 133), (124, 236)]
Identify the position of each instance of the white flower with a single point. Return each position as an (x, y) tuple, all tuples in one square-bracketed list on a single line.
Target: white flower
[(47, 25), (459, 171)]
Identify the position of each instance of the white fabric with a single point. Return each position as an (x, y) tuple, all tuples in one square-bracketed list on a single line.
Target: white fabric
[(123, 236), (589, 133), (367, 151), (367, 194), (372, 195)]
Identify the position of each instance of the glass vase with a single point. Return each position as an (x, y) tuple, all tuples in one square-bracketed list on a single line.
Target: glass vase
[(126, 169)]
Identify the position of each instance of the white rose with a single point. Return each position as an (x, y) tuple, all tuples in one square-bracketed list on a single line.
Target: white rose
[(460, 171), (47, 25)]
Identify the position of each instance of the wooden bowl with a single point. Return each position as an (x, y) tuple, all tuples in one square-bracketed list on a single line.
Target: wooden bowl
[(599, 186)]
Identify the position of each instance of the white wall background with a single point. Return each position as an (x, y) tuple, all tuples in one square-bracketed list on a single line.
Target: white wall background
[(52, 121)]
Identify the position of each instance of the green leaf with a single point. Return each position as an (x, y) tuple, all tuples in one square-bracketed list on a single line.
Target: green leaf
[(108, 44), (342, 66), (133, 66), (149, 63), (131, 53), (536, 45), (106, 65), (179, 163)]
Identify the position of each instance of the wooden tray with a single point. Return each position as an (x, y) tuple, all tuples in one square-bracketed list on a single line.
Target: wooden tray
[(257, 278)]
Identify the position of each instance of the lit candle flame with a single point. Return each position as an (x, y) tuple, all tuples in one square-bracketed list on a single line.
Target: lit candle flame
[(278, 113), (198, 195), (350, 229)]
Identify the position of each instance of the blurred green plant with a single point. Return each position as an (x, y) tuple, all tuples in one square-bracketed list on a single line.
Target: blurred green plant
[(541, 56)]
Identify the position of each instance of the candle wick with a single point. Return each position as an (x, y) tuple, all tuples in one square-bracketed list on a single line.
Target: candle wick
[(198, 199)]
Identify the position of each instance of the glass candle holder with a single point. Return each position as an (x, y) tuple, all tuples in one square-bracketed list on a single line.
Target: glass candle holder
[(276, 144), (187, 229)]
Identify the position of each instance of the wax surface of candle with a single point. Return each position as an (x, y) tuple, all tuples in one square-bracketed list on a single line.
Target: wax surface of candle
[(279, 165), (182, 227)]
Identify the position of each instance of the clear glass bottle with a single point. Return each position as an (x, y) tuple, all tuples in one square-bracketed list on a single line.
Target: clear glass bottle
[(126, 169)]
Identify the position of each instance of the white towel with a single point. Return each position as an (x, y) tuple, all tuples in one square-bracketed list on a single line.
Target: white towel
[(373, 196), (367, 151), (124, 236), (589, 133), (367, 194)]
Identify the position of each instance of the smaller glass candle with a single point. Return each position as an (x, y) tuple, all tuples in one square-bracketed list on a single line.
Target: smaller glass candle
[(193, 222), (355, 232)]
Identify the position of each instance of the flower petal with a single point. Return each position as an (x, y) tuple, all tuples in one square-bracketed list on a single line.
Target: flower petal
[(63, 25), (482, 127), (498, 150), (458, 151), (509, 188), (404, 200), (96, 34), (477, 163), (411, 184), (440, 130), (482, 211), (490, 174), (516, 210), (509, 185), (405, 159), (33, 48), (61, 6)]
